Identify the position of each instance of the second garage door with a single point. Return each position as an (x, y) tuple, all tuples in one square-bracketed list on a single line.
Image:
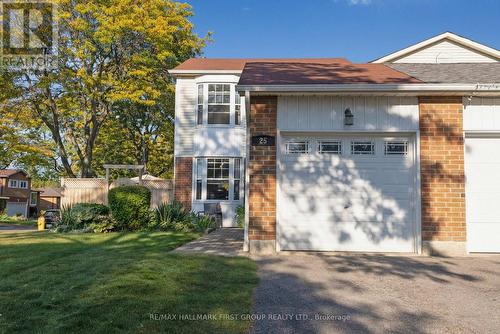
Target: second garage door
[(482, 165), (339, 193)]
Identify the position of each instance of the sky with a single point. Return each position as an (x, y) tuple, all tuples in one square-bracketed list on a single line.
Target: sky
[(359, 30)]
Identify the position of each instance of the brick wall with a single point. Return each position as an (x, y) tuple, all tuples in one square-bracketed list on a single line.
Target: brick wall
[(262, 169), (442, 168), (183, 180)]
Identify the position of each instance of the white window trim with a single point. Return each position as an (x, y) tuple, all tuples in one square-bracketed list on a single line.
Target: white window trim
[(18, 184), (204, 179), (232, 106)]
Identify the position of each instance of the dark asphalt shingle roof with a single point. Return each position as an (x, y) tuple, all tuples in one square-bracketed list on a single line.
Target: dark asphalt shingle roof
[(451, 73), (201, 64), (51, 192), (313, 72)]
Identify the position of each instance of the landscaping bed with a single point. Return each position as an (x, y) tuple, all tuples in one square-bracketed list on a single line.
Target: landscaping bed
[(118, 282)]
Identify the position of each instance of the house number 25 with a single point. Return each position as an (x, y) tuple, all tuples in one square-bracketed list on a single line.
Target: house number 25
[(263, 140)]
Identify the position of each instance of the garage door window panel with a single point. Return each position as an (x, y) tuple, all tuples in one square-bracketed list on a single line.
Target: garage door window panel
[(362, 148), (395, 147), (297, 147), (330, 147)]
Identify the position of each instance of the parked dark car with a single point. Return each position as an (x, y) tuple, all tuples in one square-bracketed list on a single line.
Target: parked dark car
[(51, 217)]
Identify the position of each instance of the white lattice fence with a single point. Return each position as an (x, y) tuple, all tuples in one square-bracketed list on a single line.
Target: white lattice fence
[(83, 191)]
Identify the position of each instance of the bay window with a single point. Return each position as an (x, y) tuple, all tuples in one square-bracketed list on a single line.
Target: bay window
[(237, 177), (221, 104), (199, 175), (237, 108), (218, 179), (199, 107)]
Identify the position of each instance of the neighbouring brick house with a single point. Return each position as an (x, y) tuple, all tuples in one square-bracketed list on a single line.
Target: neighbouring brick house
[(397, 155), (16, 192)]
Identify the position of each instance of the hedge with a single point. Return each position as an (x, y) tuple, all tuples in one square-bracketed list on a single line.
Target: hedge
[(130, 206)]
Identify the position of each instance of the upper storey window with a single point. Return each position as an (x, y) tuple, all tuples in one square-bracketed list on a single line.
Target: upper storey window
[(218, 104)]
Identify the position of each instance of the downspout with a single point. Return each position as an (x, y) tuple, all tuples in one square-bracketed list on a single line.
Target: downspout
[(246, 240)]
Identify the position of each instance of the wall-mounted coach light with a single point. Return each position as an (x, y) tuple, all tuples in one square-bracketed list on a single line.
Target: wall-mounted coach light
[(348, 117)]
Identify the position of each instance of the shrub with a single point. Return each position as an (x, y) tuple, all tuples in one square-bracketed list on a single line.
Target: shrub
[(130, 206), (3, 206), (68, 220), (87, 213), (203, 223), (92, 209), (168, 214), (81, 216), (172, 216), (240, 216), (102, 224)]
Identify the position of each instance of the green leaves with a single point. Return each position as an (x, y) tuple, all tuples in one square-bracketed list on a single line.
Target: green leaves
[(130, 206), (114, 56)]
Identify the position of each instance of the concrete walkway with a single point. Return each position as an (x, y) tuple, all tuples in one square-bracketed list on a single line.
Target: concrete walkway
[(224, 242)]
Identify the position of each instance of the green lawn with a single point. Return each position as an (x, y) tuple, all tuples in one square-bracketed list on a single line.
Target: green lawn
[(106, 283)]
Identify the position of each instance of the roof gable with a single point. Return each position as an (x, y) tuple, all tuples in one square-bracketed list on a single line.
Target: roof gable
[(444, 48), (5, 173)]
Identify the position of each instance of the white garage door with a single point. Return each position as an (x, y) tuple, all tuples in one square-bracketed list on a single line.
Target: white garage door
[(346, 194), (16, 209), (482, 166)]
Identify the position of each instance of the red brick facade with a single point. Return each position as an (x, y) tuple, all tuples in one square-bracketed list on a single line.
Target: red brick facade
[(442, 168), (262, 169), (183, 180)]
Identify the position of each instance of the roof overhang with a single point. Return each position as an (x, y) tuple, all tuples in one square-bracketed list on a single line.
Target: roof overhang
[(444, 36), (407, 89), (179, 73)]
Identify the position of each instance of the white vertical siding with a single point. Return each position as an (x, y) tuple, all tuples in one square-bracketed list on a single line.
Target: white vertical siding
[(185, 116), (326, 113), (445, 52), (482, 114), (217, 141)]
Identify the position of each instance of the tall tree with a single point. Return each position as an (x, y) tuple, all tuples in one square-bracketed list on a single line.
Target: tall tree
[(22, 139), (112, 53)]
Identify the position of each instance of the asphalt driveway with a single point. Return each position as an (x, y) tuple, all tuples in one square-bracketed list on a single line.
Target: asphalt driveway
[(377, 294)]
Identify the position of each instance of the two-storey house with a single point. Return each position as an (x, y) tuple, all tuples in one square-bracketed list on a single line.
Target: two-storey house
[(396, 155), (16, 193)]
